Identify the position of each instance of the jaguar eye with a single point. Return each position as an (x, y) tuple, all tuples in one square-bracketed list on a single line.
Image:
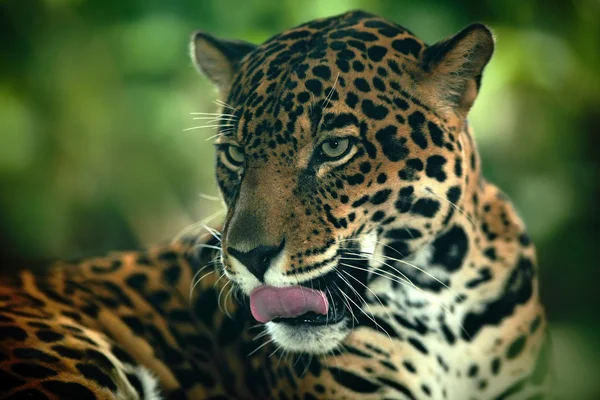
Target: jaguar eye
[(335, 148), (234, 155)]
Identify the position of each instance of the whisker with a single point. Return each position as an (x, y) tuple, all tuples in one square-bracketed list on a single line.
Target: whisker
[(372, 292), (410, 284), (328, 98), (275, 351), (224, 309), (348, 304), (210, 197), (260, 347), (207, 126), (214, 114), (216, 234), (222, 103), (372, 317), (198, 281)]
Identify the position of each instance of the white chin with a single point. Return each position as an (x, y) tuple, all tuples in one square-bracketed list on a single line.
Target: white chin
[(320, 339)]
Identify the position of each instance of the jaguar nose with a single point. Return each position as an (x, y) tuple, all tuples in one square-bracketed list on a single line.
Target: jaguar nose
[(257, 260)]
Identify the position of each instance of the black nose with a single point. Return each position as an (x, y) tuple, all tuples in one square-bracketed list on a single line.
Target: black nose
[(258, 259)]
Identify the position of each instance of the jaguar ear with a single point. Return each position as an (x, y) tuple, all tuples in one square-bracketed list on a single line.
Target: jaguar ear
[(453, 67), (218, 59)]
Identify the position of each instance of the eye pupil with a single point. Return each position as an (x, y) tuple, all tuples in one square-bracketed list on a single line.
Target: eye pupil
[(335, 148)]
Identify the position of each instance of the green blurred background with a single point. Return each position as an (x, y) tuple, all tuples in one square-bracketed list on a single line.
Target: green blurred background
[(95, 94)]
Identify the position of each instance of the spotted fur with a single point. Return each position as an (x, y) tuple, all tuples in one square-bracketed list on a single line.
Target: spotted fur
[(429, 272)]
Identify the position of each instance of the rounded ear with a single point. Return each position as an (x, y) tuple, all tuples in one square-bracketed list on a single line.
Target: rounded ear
[(453, 67), (218, 59)]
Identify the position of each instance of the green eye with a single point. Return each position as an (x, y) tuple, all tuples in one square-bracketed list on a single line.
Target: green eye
[(335, 148), (234, 155)]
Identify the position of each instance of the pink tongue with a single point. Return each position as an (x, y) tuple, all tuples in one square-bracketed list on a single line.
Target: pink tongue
[(269, 302)]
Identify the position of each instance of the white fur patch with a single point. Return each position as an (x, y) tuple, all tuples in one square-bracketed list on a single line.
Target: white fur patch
[(308, 339)]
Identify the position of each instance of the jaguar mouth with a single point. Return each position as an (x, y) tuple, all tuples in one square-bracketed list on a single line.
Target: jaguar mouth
[(323, 301)]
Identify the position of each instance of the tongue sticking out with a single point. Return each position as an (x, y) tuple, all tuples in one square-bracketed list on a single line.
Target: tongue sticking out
[(269, 302)]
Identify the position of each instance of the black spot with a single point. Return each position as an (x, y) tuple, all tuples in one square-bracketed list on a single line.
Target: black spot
[(322, 71), (27, 353), (394, 148), (448, 335), (172, 275), (360, 201), (495, 368), (450, 249), (516, 347), (12, 332), (358, 66), (425, 207), (137, 281), (401, 104), (435, 168), (362, 85), (518, 289), (403, 233), (416, 343), (376, 53), (415, 163), (353, 34), (365, 167), (416, 121), (398, 386), (417, 326), (319, 388), (377, 216), (94, 373), (437, 136), (352, 381), (303, 97), (69, 390), (405, 198), (137, 385), (453, 194), (524, 239), (67, 352), (373, 110), (351, 100), (379, 85), (458, 167), (484, 276), (30, 370), (9, 381), (408, 46), (355, 179), (473, 370), (409, 367), (99, 359), (381, 178), (343, 65), (49, 336), (426, 389), (314, 86), (381, 196), (388, 365)]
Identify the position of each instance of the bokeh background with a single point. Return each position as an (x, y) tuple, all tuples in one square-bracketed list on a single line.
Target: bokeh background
[(95, 96)]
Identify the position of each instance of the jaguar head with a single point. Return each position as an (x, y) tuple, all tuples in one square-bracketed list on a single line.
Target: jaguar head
[(341, 142)]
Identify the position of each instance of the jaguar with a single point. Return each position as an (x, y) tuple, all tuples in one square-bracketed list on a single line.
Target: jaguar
[(362, 255)]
